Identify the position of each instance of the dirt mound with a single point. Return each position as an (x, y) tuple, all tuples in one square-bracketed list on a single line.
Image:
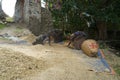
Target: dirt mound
[(15, 65), (30, 38)]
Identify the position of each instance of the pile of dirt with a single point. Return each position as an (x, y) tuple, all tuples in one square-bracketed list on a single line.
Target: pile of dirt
[(30, 38), (15, 65)]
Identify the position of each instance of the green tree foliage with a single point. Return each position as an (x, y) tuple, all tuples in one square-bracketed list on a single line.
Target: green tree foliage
[(67, 12)]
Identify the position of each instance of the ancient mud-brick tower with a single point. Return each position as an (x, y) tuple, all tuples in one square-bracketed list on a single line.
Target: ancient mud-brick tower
[(29, 12)]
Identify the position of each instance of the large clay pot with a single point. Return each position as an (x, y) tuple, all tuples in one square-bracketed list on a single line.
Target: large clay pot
[(90, 47)]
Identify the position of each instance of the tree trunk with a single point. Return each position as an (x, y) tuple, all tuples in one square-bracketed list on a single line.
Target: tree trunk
[(102, 30)]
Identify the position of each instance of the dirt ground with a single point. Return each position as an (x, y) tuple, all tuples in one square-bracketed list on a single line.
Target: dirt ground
[(44, 62)]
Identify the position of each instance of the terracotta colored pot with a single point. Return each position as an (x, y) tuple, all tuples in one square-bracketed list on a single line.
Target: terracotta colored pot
[(90, 47)]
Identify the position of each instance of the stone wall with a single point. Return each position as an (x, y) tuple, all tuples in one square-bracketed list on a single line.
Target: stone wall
[(43, 25), (19, 7), (26, 11), (35, 16), (30, 12), (46, 19)]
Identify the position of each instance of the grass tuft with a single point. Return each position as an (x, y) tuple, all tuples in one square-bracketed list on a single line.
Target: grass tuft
[(2, 26)]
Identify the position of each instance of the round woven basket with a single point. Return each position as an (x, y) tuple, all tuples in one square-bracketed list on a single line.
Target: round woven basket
[(90, 47)]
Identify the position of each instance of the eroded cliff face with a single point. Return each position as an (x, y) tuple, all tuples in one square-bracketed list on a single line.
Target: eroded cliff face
[(30, 12)]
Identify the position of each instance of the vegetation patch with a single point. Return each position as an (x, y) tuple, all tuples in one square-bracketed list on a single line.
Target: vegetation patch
[(113, 60), (9, 19), (2, 26), (117, 69)]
